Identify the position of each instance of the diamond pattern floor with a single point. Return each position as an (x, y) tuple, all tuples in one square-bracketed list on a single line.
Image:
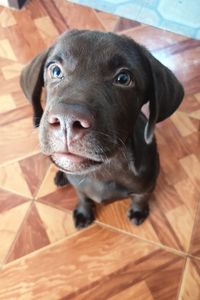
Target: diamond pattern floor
[(42, 256)]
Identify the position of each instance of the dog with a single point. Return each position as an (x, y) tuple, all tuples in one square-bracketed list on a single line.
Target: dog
[(92, 126)]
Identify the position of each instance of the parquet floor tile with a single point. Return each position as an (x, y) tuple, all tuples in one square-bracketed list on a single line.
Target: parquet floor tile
[(8, 181), (7, 103), (7, 19), (6, 50), (20, 145), (86, 17), (42, 255), (46, 29), (9, 200), (191, 287), (108, 21), (48, 186), (34, 170), (102, 270), (10, 223), (195, 241), (31, 237), (62, 198)]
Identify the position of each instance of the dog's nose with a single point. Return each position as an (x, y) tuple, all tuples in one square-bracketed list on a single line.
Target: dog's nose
[(72, 120)]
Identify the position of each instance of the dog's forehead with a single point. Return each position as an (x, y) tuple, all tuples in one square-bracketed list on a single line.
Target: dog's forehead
[(91, 41), (90, 46)]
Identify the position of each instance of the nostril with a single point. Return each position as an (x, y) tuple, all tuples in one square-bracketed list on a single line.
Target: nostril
[(77, 125), (83, 124), (54, 121)]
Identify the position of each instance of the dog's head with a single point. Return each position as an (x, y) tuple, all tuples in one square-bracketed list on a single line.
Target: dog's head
[(95, 85)]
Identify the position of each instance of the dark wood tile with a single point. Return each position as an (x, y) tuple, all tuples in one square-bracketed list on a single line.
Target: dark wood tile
[(34, 169), (124, 24), (9, 200), (31, 237), (62, 198)]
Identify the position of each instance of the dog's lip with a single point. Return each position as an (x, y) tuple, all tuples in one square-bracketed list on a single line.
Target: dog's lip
[(69, 156), (72, 157)]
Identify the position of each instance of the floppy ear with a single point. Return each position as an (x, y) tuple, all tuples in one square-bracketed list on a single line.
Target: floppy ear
[(32, 81), (165, 93)]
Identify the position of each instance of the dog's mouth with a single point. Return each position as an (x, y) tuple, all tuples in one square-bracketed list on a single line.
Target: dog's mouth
[(72, 163)]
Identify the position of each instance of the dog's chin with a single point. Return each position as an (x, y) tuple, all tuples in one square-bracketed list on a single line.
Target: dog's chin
[(74, 164)]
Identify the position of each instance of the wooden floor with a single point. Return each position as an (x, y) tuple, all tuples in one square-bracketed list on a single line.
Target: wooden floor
[(42, 256)]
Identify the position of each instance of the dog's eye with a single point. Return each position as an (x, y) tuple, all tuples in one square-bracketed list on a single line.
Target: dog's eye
[(55, 72), (123, 78)]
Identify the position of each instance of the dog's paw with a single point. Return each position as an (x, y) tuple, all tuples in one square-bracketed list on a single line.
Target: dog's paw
[(60, 179), (83, 217), (137, 217)]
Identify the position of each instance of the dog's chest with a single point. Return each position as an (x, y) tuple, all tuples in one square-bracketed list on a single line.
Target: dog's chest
[(116, 182), (101, 191)]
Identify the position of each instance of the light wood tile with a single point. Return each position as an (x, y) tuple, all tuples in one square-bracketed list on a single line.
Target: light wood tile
[(46, 29), (6, 18), (6, 103), (11, 179), (12, 71), (191, 281), (191, 165), (48, 186), (195, 114), (183, 123), (15, 115), (197, 96), (195, 241), (6, 50), (180, 217), (20, 99), (10, 222), (186, 187), (108, 21), (58, 224), (139, 291), (17, 146)]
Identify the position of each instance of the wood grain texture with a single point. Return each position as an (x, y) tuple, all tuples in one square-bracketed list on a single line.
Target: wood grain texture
[(77, 271), (42, 256), (190, 287), (195, 241)]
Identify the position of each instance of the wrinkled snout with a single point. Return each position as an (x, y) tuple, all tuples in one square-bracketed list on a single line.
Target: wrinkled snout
[(70, 121)]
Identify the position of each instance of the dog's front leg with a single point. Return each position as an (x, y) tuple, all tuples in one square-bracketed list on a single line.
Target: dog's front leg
[(84, 213), (139, 209), (61, 179)]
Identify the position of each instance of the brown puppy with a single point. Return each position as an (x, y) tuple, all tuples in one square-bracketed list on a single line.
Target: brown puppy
[(92, 126)]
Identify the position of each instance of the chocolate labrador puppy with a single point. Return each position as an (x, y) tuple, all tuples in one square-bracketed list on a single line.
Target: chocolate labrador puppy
[(92, 126)]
